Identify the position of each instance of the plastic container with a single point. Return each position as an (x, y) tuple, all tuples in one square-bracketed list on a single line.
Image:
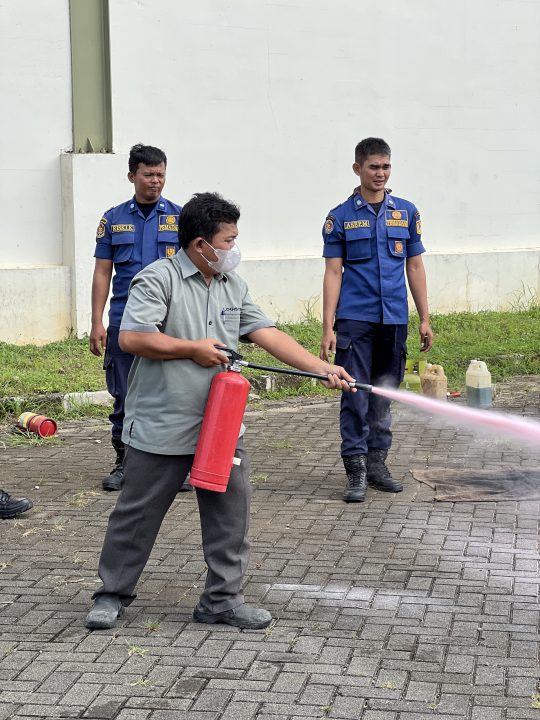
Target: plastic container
[(412, 378), (38, 424), (478, 384), (434, 382)]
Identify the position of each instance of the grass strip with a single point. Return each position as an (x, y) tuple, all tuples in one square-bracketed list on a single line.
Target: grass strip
[(509, 342)]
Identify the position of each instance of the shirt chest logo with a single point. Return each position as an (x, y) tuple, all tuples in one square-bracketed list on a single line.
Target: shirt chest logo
[(397, 218), (353, 224), (168, 223), (230, 313)]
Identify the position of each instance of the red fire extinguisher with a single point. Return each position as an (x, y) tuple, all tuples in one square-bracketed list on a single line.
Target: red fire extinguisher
[(214, 455), (221, 425)]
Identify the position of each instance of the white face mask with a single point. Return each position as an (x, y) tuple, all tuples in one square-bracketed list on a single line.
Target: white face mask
[(227, 259)]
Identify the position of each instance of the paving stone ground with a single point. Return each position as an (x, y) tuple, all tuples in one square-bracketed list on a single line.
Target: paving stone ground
[(401, 608)]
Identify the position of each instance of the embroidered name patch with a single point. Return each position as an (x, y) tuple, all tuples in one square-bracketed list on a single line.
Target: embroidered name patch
[(397, 218), (353, 224), (168, 222), (123, 228)]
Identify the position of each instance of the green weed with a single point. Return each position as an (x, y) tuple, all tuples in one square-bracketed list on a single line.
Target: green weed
[(136, 650), (82, 499), (526, 298), (152, 625), (280, 444), (258, 477), (18, 438), (142, 682)]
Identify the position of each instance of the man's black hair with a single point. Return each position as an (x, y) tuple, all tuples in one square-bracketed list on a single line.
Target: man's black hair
[(202, 215), (370, 146), (146, 154)]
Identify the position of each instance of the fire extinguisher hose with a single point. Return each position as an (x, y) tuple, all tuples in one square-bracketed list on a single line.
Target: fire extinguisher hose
[(287, 371), (236, 359)]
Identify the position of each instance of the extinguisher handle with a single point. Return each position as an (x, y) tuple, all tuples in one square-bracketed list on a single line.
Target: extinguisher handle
[(233, 355)]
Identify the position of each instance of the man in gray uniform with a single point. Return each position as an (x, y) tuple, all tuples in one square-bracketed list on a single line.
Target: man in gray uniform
[(180, 311)]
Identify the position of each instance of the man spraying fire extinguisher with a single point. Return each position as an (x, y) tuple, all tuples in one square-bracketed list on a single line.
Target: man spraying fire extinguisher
[(180, 312)]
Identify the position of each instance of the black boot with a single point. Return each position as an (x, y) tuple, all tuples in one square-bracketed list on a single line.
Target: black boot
[(11, 507), (114, 480), (378, 475), (355, 467)]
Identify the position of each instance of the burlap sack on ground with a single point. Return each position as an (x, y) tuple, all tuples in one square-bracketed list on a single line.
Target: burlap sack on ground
[(481, 485)]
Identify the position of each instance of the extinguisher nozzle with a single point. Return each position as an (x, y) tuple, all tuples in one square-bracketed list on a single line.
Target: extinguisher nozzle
[(361, 386)]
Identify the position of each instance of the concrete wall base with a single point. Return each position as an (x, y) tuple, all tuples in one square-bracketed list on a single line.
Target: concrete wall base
[(39, 305), (35, 305), (290, 289)]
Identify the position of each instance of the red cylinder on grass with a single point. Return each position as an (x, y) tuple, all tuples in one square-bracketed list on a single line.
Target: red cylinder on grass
[(38, 424), (221, 425)]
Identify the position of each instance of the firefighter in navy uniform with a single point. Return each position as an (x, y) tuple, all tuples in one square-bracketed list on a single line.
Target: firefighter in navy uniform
[(370, 242), (129, 237)]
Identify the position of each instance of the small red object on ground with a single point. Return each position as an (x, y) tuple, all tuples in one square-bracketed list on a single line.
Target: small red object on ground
[(38, 424)]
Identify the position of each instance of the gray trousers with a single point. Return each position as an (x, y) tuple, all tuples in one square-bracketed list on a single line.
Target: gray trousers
[(150, 485)]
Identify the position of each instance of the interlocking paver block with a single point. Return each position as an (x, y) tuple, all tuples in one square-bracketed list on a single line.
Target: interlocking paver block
[(398, 609)]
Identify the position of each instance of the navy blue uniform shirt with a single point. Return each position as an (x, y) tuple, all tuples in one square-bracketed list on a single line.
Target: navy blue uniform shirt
[(132, 242), (373, 248)]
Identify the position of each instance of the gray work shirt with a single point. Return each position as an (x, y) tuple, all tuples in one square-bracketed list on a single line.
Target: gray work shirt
[(166, 399)]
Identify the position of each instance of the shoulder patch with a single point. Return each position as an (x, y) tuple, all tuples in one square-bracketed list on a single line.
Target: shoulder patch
[(101, 228), (329, 224)]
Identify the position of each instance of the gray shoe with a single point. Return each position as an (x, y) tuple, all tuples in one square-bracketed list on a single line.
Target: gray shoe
[(242, 616), (105, 612)]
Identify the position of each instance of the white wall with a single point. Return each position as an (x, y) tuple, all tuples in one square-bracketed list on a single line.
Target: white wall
[(265, 101), (91, 184), (35, 87)]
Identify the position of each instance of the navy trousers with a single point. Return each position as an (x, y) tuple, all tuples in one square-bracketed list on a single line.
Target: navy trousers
[(375, 354), (117, 365)]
